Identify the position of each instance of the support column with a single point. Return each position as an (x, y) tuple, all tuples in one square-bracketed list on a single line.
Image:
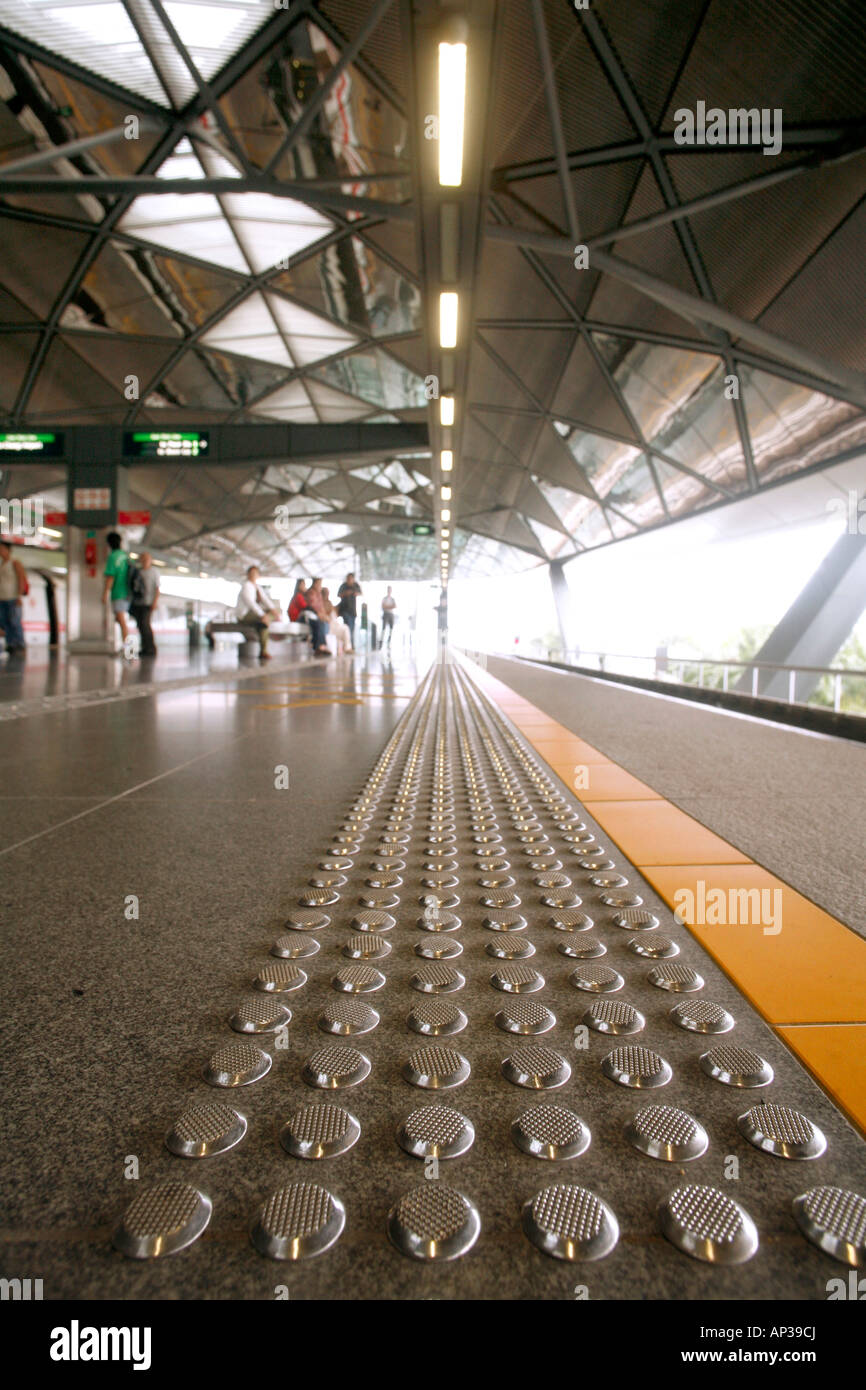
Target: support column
[(95, 494), (562, 599), (818, 621)]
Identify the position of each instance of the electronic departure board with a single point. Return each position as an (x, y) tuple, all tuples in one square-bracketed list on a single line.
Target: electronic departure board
[(27, 445), (155, 444)]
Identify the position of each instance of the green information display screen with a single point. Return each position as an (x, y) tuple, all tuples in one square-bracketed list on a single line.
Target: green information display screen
[(421, 528), (153, 444), (46, 445)]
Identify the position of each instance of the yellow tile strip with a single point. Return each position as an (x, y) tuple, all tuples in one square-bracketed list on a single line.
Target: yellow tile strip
[(800, 967)]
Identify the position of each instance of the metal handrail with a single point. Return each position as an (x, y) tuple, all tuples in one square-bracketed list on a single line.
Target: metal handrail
[(663, 662)]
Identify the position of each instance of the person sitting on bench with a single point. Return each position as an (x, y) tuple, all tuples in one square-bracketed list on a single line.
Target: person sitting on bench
[(254, 609)]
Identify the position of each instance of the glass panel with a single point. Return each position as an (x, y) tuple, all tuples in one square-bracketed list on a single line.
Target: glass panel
[(792, 427), (291, 402), (594, 530), (309, 336), (96, 34), (349, 282), (250, 330), (635, 493), (377, 378)]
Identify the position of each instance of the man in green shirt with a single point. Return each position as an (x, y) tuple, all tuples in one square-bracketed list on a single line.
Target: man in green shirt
[(116, 590)]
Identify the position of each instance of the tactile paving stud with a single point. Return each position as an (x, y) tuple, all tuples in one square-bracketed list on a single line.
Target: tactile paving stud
[(438, 948), (373, 920), (509, 946), (238, 1064), (680, 979), (613, 1016), (635, 919), (346, 1016), (378, 901), (436, 920), (561, 900), (653, 947), (336, 862), (608, 880), (326, 880), (500, 881), (383, 880), (436, 1131), (737, 1066), (280, 978), (595, 862), (318, 897), (258, 1015), (162, 1220), (636, 1066), (834, 1219), (319, 1131), (305, 919), (537, 852), (439, 881), (539, 1068), (582, 947), (570, 1223), (205, 1128), (357, 979), (779, 1130), (701, 1016), (436, 1068), (295, 947), (526, 1016), (570, 919), (493, 866), (434, 1222), (436, 1018), (438, 902), (367, 946), (663, 1131), (504, 921), (596, 979), (298, 1221), (552, 881), (437, 979), (387, 865), (331, 1068), (620, 897), (550, 1131), (517, 979), (499, 900), (708, 1225)]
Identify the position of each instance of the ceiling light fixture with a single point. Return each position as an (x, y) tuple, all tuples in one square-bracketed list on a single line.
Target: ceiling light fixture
[(446, 410), (452, 104), (448, 318), (447, 460)]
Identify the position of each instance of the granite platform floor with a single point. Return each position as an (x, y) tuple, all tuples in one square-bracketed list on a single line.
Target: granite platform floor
[(792, 800), (171, 800)]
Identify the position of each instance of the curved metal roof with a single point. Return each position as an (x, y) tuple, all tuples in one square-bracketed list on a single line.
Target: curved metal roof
[(229, 201)]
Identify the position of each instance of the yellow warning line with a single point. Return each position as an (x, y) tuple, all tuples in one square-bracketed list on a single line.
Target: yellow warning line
[(801, 968)]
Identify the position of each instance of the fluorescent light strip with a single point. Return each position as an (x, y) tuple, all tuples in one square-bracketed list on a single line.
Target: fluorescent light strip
[(447, 460), (446, 513), (448, 303), (445, 493), (446, 410), (452, 105)]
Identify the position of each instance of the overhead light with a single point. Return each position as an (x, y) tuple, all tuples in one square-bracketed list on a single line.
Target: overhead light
[(448, 319), (161, 563), (446, 513), (445, 493), (446, 531), (182, 569), (447, 460), (446, 410), (47, 531), (452, 103)]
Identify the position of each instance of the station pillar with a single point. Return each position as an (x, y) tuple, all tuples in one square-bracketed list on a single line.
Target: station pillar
[(95, 495)]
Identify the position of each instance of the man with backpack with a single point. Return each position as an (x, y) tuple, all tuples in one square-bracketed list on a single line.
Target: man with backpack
[(116, 588), (144, 592), (13, 587)]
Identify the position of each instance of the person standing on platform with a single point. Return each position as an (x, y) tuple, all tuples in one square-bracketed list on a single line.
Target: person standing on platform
[(389, 604), (255, 609), (145, 592), (348, 594), (320, 626), (116, 588), (13, 587)]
